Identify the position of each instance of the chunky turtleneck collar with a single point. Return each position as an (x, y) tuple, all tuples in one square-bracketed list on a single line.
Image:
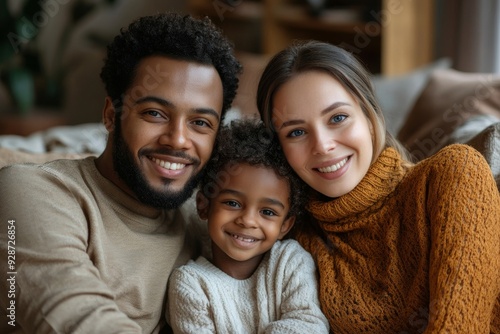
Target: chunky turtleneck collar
[(381, 179)]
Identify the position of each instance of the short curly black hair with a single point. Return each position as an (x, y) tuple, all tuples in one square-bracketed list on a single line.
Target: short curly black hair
[(174, 36), (248, 141)]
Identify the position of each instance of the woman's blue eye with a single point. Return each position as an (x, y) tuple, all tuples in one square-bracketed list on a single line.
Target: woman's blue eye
[(296, 133), (338, 118)]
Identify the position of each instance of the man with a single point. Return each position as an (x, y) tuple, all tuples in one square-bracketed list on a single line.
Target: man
[(88, 245)]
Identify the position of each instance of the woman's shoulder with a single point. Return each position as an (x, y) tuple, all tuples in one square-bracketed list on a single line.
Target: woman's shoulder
[(449, 156), (458, 150), (457, 164)]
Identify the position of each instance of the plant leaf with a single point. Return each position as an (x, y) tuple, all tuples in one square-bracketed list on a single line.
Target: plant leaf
[(6, 53), (22, 88)]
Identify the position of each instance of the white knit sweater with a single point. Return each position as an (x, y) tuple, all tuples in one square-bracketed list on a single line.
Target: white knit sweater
[(280, 297)]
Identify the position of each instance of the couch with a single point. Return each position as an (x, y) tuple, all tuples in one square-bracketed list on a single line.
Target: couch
[(425, 109)]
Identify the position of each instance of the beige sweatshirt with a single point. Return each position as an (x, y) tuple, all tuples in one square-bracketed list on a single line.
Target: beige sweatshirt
[(88, 258)]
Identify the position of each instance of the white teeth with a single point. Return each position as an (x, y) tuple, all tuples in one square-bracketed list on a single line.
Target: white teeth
[(243, 239), (168, 165), (333, 168)]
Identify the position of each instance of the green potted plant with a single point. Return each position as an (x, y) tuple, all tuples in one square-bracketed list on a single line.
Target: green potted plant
[(26, 81)]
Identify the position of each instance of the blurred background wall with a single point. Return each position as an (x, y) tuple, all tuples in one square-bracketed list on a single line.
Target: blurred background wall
[(57, 46)]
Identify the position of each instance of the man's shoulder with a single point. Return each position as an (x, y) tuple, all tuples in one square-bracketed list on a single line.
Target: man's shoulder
[(39, 178), (61, 167)]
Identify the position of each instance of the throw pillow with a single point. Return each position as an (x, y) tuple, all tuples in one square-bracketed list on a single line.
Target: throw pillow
[(397, 94), (449, 99), (488, 143)]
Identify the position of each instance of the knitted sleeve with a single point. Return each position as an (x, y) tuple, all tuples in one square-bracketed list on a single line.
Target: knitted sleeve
[(300, 310), (188, 305), (464, 210)]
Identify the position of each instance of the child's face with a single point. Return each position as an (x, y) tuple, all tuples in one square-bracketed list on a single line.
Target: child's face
[(247, 214)]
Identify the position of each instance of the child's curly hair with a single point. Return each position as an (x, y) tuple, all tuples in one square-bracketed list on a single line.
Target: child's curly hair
[(248, 141)]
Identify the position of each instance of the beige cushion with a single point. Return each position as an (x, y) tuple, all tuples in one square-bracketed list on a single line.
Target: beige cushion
[(82, 138), (449, 99), (397, 94), (488, 143)]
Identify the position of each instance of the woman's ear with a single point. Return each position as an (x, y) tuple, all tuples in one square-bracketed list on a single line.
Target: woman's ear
[(286, 226), (108, 114), (202, 204)]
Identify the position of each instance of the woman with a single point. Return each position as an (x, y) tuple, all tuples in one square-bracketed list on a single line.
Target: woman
[(400, 247)]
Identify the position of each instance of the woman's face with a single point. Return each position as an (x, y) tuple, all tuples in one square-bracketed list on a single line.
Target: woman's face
[(326, 137)]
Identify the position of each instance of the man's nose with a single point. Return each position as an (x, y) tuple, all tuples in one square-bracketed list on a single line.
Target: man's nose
[(176, 135)]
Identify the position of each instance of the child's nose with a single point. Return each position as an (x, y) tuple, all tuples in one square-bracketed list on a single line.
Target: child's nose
[(247, 219)]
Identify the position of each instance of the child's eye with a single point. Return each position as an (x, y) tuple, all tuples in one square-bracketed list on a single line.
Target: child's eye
[(231, 203), (338, 118), (268, 212)]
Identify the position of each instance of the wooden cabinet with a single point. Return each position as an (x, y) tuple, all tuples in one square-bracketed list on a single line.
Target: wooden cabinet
[(25, 125), (393, 37)]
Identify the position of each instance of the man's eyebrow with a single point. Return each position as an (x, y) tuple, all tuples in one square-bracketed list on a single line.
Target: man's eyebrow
[(167, 103), (208, 111), (155, 99), (331, 107), (271, 201)]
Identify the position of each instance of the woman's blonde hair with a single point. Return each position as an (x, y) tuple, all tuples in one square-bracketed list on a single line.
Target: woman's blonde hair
[(344, 67)]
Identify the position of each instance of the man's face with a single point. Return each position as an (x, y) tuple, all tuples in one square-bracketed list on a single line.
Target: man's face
[(167, 130)]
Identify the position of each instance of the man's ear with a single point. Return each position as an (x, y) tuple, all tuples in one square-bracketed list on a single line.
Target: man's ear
[(202, 204), (108, 114), (286, 226)]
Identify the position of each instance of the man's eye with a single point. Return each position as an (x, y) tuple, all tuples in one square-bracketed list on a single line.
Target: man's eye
[(153, 113), (200, 122), (338, 118)]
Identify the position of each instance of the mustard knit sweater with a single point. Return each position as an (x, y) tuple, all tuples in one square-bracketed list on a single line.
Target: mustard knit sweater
[(411, 250)]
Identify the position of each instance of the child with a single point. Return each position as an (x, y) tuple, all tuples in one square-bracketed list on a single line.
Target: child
[(254, 282)]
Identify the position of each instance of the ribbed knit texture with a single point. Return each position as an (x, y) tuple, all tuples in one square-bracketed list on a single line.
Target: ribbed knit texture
[(281, 296), (412, 251)]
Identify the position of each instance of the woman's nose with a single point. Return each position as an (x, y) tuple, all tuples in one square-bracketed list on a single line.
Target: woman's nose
[(323, 142)]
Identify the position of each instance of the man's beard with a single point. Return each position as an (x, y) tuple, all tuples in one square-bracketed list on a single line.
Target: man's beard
[(131, 174)]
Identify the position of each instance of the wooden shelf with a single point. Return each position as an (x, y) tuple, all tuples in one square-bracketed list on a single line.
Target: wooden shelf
[(297, 17), (219, 11), (400, 43)]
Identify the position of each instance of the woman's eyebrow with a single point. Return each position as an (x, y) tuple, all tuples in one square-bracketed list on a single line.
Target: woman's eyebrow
[(331, 107)]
